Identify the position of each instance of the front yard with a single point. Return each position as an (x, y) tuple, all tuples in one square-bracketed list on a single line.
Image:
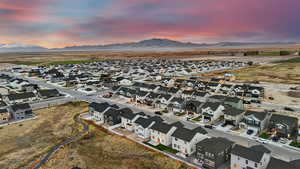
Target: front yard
[(265, 136), (199, 118), (163, 148), (295, 144)]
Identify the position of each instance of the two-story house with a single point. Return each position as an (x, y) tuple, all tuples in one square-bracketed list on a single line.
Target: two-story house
[(284, 126), (96, 111), (256, 157), (161, 133), (233, 116), (20, 111), (256, 121), (4, 116), (184, 140), (211, 111), (213, 152)]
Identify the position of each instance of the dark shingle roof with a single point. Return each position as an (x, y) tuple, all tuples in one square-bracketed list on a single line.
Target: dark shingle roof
[(247, 153), (162, 127), (3, 111), (100, 107), (258, 115), (233, 111), (215, 144), (290, 121), (17, 107), (144, 122), (18, 96), (187, 134), (280, 164)]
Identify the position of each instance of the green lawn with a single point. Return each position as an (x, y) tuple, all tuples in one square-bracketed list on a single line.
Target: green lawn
[(265, 136), (197, 118), (163, 148), (295, 144)]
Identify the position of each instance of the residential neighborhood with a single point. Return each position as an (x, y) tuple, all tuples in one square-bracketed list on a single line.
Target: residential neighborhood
[(165, 105)]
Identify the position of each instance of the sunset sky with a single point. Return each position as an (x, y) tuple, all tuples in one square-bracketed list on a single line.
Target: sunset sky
[(59, 23)]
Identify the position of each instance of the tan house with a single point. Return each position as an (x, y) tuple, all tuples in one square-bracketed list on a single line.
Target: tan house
[(4, 116)]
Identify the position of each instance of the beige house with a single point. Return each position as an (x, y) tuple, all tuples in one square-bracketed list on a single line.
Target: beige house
[(4, 116)]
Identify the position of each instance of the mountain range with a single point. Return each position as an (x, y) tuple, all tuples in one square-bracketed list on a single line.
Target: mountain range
[(145, 44)]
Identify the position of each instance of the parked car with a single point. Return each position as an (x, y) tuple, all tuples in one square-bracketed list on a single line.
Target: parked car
[(158, 113), (249, 132), (275, 138), (208, 126), (260, 140), (224, 125), (246, 102), (288, 109)]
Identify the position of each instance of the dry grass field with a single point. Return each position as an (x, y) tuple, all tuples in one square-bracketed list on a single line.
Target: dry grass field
[(287, 72), (24, 143), (104, 151)]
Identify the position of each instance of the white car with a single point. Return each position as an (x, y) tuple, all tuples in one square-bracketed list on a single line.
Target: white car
[(263, 141)]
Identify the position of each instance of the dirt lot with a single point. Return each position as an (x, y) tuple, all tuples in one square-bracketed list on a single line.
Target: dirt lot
[(104, 151), (24, 143)]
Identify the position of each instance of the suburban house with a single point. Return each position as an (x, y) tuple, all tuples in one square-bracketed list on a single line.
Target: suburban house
[(213, 152), (150, 98), (128, 118), (20, 97), (4, 116), (256, 121), (161, 133), (176, 105), (211, 111), (280, 164), (256, 157), (163, 101), (112, 116), (20, 111), (232, 101), (233, 116), (184, 140), (193, 106), (48, 93), (140, 96), (96, 111), (200, 96), (284, 126), (142, 126)]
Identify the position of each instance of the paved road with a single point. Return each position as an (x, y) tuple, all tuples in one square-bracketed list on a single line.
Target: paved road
[(65, 142), (279, 152)]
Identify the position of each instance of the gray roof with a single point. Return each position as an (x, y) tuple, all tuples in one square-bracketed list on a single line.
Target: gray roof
[(144, 122), (3, 111), (100, 107), (19, 96), (229, 110), (24, 106), (215, 144), (290, 121), (261, 148), (247, 153), (256, 114), (280, 164), (187, 134), (212, 105), (162, 127)]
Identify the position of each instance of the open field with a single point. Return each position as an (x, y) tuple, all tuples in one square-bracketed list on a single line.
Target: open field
[(104, 151), (23, 144), (64, 57), (287, 72)]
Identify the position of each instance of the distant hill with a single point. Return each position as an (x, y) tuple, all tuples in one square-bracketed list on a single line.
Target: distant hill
[(149, 44), (156, 43), (20, 48)]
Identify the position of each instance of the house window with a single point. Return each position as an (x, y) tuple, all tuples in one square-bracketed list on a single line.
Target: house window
[(246, 161), (255, 165)]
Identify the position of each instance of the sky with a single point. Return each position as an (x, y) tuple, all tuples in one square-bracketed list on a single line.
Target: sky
[(59, 23)]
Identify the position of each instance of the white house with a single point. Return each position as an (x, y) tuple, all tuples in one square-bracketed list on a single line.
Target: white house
[(256, 121), (256, 157), (96, 111), (142, 127), (184, 140), (211, 111), (128, 118), (161, 133)]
